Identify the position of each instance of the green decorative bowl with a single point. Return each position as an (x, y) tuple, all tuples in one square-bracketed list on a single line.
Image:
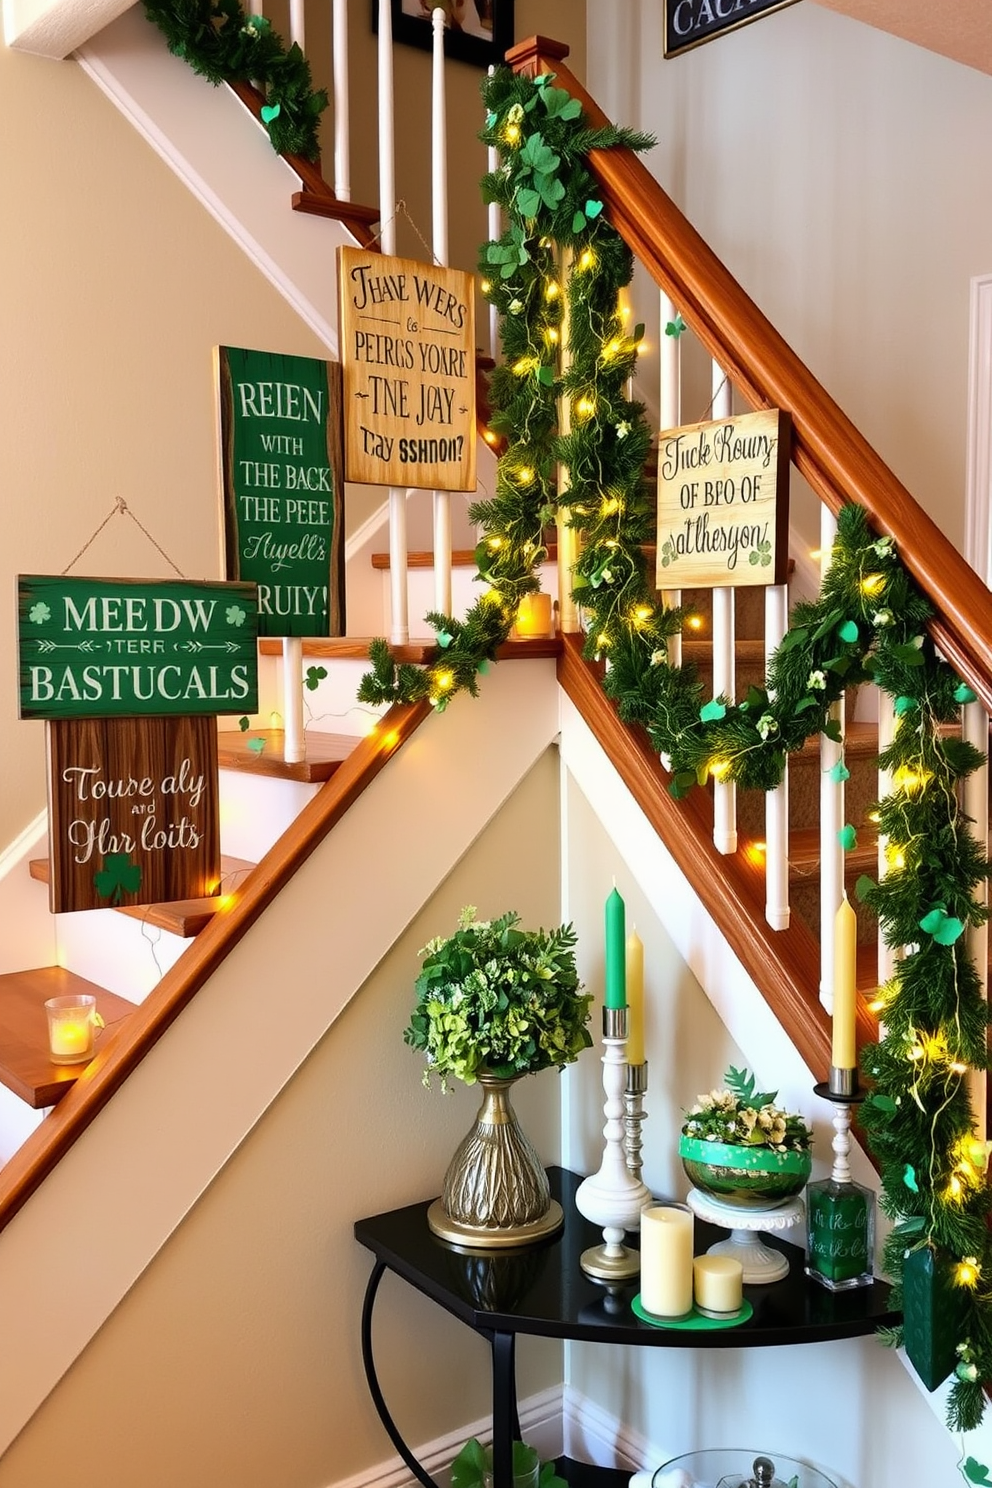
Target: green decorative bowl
[(750, 1177)]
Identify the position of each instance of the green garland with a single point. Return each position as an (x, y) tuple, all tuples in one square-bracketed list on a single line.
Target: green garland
[(223, 44), (869, 623)]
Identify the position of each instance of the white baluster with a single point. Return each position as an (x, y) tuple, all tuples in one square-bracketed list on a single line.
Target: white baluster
[(254, 7), (297, 24), (342, 107), (494, 227), (399, 600), (724, 791), (831, 810), (439, 198), (777, 801), (294, 739), (975, 728), (887, 724), (670, 410)]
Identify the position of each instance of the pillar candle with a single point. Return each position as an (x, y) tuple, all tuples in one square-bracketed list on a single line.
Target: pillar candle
[(533, 615), (717, 1283), (843, 1048), (666, 1260), (635, 998), (616, 994)]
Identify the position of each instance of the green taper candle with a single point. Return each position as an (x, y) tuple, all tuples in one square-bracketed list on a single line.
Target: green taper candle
[(616, 938)]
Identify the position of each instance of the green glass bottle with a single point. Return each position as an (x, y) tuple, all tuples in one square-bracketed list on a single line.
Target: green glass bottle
[(840, 1234)]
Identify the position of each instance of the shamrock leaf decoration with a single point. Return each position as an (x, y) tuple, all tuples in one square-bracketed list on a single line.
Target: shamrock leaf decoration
[(863, 887), (839, 773), (848, 632), (964, 694), (588, 213), (256, 745), (39, 613), (270, 112), (847, 837), (904, 705), (235, 615), (974, 1471), (244, 724), (944, 928), (676, 327), (559, 104), (117, 877), (444, 639), (713, 711), (909, 1178), (315, 675), (539, 161), (762, 554), (509, 255)]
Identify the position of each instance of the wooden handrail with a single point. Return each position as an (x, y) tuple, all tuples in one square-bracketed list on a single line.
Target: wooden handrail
[(30, 1164), (835, 458), (783, 964)]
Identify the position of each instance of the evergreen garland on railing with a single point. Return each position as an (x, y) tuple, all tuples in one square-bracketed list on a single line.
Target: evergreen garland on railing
[(224, 45)]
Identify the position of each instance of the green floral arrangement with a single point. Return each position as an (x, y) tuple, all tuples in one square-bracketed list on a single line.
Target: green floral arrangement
[(474, 1464), (492, 999), (746, 1117)]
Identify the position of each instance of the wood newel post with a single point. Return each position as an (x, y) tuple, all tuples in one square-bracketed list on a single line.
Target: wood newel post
[(526, 57)]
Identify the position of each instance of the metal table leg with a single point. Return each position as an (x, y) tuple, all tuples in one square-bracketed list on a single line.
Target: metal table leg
[(373, 1382), (506, 1421)]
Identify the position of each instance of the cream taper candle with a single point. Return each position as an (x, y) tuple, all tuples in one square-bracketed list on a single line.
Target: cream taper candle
[(843, 1043), (635, 999), (666, 1260)]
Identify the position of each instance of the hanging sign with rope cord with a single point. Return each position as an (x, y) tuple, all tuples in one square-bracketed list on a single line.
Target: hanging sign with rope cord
[(407, 336)]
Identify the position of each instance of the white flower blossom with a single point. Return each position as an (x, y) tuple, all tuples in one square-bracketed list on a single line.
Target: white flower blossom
[(817, 681)]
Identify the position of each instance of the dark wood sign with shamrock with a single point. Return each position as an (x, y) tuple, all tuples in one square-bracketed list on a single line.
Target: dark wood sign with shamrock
[(407, 332), (133, 812), (723, 502)]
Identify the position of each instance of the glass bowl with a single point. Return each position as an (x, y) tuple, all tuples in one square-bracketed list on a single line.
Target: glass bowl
[(734, 1467)]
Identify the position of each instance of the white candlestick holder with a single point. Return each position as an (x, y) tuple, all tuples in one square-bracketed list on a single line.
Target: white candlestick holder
[(613, 1197)]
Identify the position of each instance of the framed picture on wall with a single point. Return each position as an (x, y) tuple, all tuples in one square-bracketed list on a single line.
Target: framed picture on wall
[(476, 31)]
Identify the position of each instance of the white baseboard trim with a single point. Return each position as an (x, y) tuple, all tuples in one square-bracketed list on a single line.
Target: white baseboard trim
[(591, 1434), (540, 1425)]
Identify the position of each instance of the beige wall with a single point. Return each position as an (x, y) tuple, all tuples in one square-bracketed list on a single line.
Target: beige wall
[(235, 1358), (833, 168), (114, 287)]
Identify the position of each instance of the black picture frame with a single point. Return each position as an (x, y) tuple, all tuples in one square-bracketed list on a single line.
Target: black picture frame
[(472, 42), (689, 23)]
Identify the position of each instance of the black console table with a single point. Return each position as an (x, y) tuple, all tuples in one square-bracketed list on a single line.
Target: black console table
[(543, 1291)]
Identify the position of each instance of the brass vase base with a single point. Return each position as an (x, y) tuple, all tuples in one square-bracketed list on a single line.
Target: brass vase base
[(487, 1237)]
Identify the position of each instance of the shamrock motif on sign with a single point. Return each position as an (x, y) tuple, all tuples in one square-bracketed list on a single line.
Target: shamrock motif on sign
[(39, 613), (119, 876), (235, 615), (761, 554), (667, 552)]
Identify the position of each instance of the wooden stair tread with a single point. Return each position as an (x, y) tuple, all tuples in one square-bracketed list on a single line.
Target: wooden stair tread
[(356, 648), (804, 853), (183, 917), (25, 1067), (325, 754)]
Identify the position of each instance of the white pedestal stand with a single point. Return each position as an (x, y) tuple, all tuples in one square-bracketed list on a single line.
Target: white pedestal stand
[(613, 1197), (760, 1263)]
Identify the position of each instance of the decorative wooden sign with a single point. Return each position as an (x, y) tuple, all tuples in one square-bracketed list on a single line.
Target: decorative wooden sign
[(132, 810), (723, 502), (407, 335), (282, 479), (99, 648), (688, 23)]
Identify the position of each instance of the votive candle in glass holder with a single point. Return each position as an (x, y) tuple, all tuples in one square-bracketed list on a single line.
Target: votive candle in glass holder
[(533, 616), (666, 1260), (72, 1023), (718, 1285)]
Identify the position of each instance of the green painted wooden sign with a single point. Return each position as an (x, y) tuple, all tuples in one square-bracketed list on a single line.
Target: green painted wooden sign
[(106, 648), (281, 470)]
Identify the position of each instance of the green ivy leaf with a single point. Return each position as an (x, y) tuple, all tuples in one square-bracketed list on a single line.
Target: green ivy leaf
[(848, 631), (884, 1103), (244, 724), (682, 783), (578, 222), (831, 729)]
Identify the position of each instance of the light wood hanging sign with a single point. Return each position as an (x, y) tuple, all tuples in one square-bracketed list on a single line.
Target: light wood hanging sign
[(723, 502), (282, 481), (99, 648), (133, 811), (407, 335)]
